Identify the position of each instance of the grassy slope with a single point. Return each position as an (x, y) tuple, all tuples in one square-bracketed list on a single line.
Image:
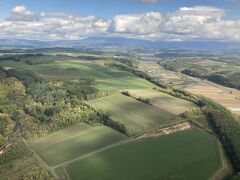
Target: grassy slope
[(55, 150), (108, 79), (136, 116), (164, 101), (61, 136), (192, 154)]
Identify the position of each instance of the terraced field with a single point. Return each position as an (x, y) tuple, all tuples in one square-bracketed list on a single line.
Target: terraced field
[(164, 101), (73, 142), (192, 154), (138, 117)]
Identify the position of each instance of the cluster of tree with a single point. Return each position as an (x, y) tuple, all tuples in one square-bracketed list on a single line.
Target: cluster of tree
[(126, 93), (193, 73), (106, 120), (17, 57), (28, 77), (222, 80), (12, 99), (234, 177), (142, 99), (19, 163), (6, 128), (36, 62), (17, 150), (39, 107)]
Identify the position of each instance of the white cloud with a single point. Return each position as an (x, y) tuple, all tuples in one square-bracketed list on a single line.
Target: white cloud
[(24, 24), (21, 13), (146, 23), (187, 23), (21, 10)]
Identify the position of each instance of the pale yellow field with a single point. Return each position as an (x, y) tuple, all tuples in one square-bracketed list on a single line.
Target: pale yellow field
[(228, 97), (164, 101)]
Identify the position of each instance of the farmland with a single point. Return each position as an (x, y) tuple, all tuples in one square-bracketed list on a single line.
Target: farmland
[(138, 117), (74, 111), (73, 142), (218, 71), (107, 79), (228, 97), (195, 150), (159, 100)]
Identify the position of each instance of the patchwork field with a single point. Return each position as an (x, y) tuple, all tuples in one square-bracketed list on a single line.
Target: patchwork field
[(99, 152), (164, 101), (73, 142), (138, 117), (192, 154), (155, 70), (107, 79), (228, 97)]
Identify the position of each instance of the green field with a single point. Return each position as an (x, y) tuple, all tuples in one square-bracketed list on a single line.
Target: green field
[(107, 79), (73, 142), (190, 154), (164, 101), (138, 117)]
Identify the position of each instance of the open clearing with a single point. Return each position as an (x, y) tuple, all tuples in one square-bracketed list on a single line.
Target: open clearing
[(192, 154), (164, 101), (138, 117), (73, 142)]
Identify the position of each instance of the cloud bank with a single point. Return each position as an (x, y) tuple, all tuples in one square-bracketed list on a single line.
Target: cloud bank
[(187, 23)]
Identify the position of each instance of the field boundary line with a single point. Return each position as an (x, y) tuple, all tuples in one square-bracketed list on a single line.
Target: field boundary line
[(92, 153), (122, 142), (93, 128)]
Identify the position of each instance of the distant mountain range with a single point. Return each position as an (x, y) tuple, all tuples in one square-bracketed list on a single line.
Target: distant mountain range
[(107, 42)]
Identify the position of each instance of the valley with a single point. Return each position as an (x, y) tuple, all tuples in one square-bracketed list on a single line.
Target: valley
[(83, 115)]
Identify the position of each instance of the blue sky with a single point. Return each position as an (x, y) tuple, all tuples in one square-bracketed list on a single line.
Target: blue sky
[(173, 20), (109, 8)]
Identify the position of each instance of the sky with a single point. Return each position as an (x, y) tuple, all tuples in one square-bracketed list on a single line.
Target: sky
[(155, 20)]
